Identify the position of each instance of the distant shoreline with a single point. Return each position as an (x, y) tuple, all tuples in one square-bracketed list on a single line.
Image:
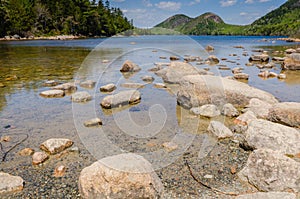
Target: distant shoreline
[(73, 37), (58, 37)]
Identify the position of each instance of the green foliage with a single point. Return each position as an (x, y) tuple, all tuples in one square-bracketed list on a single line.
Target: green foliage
[(76, 17), (284, 20)]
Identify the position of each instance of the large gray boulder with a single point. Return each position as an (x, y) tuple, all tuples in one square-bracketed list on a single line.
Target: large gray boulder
[(173, 73), (197, 90), (287, 113), (121, 99), (266, 134), (268, 195), (9, 183), (121, 176), (270, 170), (258, 107)]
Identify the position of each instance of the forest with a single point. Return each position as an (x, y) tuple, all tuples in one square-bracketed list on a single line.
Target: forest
[(28, 18)]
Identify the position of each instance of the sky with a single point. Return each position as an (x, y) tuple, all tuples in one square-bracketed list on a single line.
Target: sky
[(148, 13)]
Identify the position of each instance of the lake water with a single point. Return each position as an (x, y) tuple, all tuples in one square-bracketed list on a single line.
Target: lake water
[(26, 65)]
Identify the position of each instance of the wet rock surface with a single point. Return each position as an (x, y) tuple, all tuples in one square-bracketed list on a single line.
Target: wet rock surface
[(80, 97), (108, 88), (121, 99), (56, 145), (129, 66), (124, 175), (287, 113), (176, 71), (52, 93), (270, 170), (9, 183), (265, 134), (196, 90)]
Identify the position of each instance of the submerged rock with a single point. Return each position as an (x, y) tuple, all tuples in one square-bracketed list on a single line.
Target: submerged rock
[(93, 122), (52, 94), (209, 48), (229, 110), (132, 85), (129, 66), (88, 84), (212, 59), (120, 176), (266, 134), (287, 113), (50, 83), (174, 58), (292, 62), (81, 97), (241, 76), (259, 58), (9, 183), (197, 90), (59, 171), (26, 152), (160, 85), (147, 78), (108, 88), (177, 70), (170, 146), (39, 158), (70, 87), (121, 99), (208, 110), (56, 145), (270, 170)]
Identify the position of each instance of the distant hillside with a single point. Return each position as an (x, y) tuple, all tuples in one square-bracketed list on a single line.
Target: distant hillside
[(205, 24), (284, 20), (175, 22)]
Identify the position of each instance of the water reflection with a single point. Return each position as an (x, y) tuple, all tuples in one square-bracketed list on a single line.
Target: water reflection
[(27, 67)]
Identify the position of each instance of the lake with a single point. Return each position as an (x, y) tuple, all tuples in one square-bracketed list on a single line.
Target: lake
[(26, 65)]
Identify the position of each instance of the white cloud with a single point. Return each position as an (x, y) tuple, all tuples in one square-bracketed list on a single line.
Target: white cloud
[(118, 1), (226, 3), (194, 2), (262, 1), (249, 1), (243, 13), (169, 5), (147, 3)]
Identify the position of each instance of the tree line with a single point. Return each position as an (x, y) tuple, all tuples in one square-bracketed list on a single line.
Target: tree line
[(54, 17)]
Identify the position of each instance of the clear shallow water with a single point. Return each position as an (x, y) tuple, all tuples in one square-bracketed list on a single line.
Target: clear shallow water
[(26, 65)]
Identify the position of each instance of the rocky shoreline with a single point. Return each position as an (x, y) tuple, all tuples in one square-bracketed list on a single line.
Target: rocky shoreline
[(253, 148), (58, 37)]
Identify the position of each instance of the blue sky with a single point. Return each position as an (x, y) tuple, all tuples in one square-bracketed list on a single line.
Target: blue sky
[(148, 13)]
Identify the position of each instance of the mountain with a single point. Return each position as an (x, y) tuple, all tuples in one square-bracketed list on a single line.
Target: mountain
[(284, 20), (205, 24), (175, 22)]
